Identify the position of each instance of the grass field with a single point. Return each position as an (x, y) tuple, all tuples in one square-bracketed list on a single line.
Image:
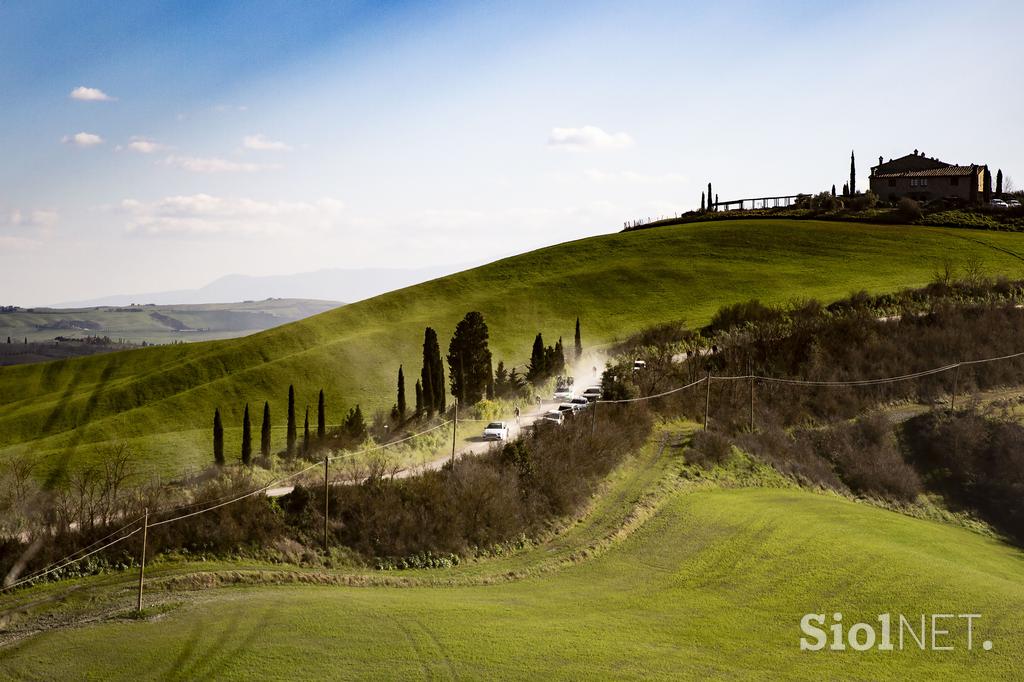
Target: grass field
[(162, 399), (711, 582)]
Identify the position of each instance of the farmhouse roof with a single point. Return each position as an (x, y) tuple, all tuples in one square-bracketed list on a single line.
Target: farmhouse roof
[(944, 172)]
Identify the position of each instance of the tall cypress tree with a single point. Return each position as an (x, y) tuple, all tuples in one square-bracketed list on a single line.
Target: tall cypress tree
[(321, 418), (988, 185), (579, 341), (419, 398), (401, 393), (265, 431), (833, 189), (702, 209), (469, 360), (291, 434), (537, 370), (999, 183), (246, 438), (853, 175), (218, 438), (709, 197), (305, 433), (433, 373)]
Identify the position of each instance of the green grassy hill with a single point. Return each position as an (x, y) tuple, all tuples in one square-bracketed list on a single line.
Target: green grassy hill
[(162, 399), (713, 586)]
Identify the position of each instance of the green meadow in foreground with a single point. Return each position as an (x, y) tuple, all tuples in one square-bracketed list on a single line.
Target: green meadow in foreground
[(714, 584), (161, 400)]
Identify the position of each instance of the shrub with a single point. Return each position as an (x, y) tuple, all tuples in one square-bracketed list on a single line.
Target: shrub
[(708, 448), (909, 210)]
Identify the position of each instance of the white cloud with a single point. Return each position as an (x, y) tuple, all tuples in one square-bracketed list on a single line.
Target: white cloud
[(634, 178), (44, 218), (205, 215), (83, 139), (195, 164), (588, 137), (261, 143), (144, 145), (84, 94)]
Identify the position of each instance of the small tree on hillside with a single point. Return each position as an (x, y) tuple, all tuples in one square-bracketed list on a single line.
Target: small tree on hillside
[(321, 418), (578, 341), (401, 393), (305, 433), (291, 433), (469, 360), (846, 189), (246, 438), (265, 431), (218, 439), (833, 189), (355, 426)]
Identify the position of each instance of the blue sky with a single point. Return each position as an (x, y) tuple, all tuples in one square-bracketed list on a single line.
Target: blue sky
[(152, 146)]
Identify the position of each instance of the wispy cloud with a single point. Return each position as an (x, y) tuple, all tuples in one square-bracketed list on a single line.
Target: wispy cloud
[(634, 178), (144, 145), (197, 164), (205, 215), (83, 139), (84, 94), (587, 137), (262, 143), (41, 218)]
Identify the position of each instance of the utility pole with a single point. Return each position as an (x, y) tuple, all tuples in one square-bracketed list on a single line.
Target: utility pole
[(327, 497), (956, 377), (142, 557), (750, 372), (593, 421), (707, 399), (455, 426)]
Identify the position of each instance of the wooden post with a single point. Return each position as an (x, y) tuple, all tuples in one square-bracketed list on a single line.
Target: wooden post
[(952, 399), (707, 399), (142, 557), (327, 497), (593, 421), (455, 425)]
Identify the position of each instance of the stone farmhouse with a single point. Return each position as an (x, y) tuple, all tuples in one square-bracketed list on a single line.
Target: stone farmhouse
[(925, 179)]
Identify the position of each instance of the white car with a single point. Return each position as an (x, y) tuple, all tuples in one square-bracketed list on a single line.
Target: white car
[(593, 393), (554, 416), (639, 365), (496, 431), (581, 403), (997, 203), (563, 393), (1013, 203)]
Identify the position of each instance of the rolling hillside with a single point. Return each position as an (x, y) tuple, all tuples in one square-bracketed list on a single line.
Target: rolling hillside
[(712, 584), (157, 323), (161, 399)]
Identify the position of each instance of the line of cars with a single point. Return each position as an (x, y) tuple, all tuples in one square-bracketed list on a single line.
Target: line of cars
[(569, 405), (1000, 203)]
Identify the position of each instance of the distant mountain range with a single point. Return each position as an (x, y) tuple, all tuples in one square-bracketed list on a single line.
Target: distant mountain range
[(336, 284)]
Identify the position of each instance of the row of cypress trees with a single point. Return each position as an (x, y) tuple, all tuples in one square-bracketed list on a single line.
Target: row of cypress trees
[(354, 426)]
